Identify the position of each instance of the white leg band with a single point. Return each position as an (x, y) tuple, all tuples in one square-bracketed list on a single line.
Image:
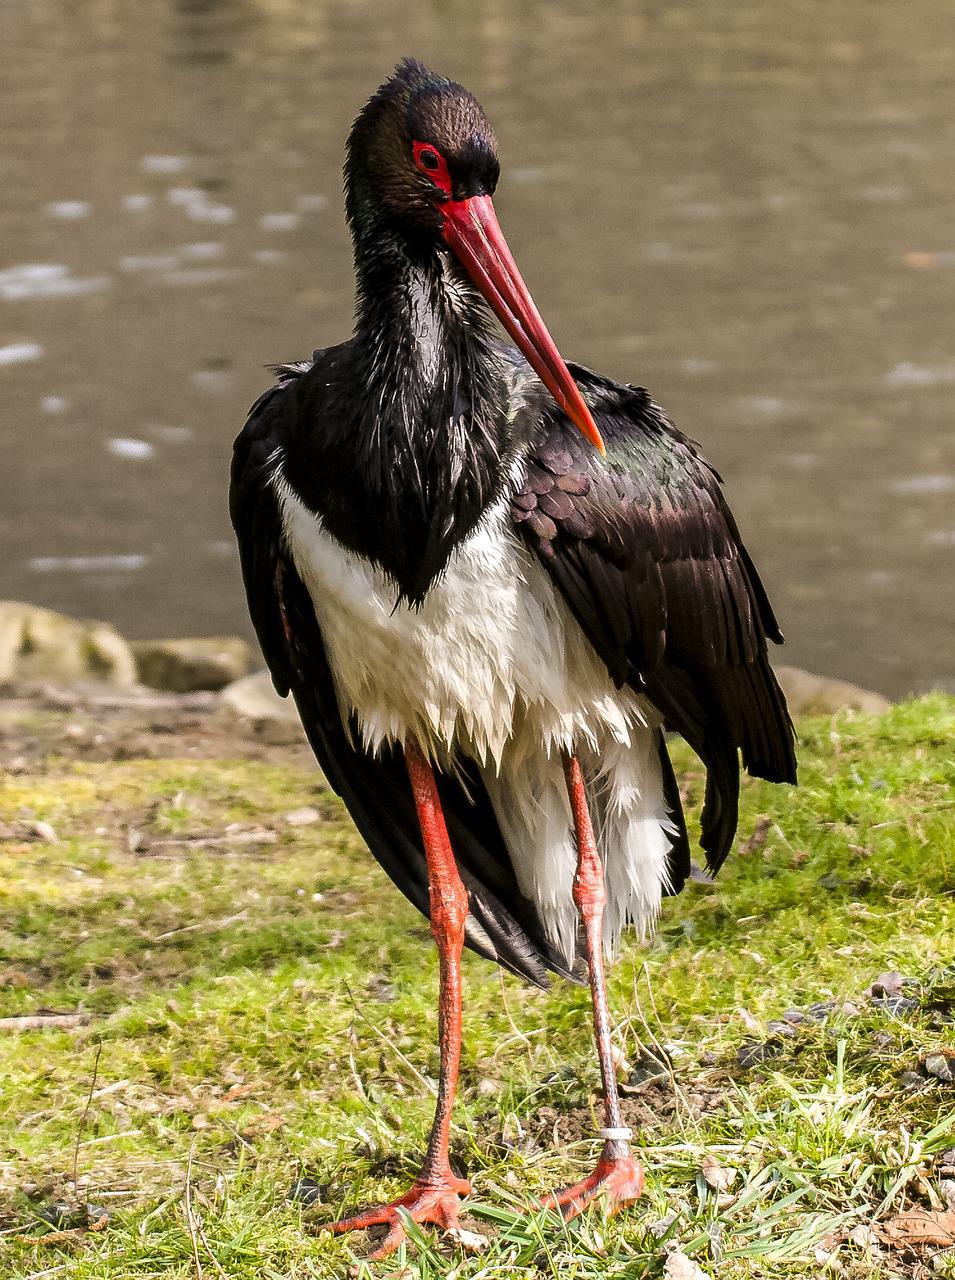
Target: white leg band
[(615, 1135)]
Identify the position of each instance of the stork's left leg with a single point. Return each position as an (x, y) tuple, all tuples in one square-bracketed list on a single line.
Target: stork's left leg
[(617, 1178), (434, 1194)]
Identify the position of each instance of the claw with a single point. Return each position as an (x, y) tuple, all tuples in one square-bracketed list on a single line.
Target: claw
[(425, 1203), (616, 1179)]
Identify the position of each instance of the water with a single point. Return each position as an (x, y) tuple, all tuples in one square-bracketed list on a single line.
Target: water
[(745, 207)]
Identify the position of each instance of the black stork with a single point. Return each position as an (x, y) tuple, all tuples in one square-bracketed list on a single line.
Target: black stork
[(492, 581)]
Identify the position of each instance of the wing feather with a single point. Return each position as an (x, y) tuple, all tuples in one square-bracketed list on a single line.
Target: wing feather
[(649, 558)]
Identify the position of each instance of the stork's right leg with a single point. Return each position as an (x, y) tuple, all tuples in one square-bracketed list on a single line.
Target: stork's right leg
[(434, 1195), (618, 1178)]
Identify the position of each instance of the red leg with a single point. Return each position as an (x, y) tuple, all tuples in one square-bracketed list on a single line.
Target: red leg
[(433, 1197), (617, 1176)]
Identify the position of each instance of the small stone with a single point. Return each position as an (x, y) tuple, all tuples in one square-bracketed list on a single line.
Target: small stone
[(863, 1237), (716, 1177), (307, 1192), (753, 1052), (255, 697), (777, 1027), (303, 817), (941, 1066), (646, 1069), (888, 984), (43, 831), (469, 1241), (831, 880), (820, 1011), (135, 840), (679, 1267), (62, 1216), (659, 1228), (896, 1006), (911, 1080)]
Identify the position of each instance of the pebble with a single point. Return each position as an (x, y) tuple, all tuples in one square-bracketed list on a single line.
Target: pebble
[(303, 817), (753, 1053), (63, 1216), (941, 1066), (307, 1192), (896, 1005), (660, 1228), (647, 1068)]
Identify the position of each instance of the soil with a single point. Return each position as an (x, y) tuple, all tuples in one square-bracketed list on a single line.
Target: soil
[(93, 724)]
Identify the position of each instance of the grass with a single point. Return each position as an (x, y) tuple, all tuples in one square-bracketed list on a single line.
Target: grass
[(260, 1006)]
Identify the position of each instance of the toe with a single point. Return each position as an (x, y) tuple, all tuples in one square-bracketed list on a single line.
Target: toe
[(359, 1221)]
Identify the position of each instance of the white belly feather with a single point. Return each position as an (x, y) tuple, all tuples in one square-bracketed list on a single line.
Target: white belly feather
[(494, 665)]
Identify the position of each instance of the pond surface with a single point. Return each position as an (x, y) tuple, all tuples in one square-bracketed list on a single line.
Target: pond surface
[(747, 208)]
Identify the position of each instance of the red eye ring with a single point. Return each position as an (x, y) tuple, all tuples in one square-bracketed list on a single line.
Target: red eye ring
[(433, 165)]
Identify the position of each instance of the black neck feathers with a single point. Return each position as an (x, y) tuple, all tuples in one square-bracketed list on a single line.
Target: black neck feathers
[(409, 424)]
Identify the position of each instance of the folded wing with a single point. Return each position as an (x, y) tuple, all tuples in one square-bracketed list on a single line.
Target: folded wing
[(646, 552)]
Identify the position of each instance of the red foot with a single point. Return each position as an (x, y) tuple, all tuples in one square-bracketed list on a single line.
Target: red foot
[(424, 1203), (617, 1179)]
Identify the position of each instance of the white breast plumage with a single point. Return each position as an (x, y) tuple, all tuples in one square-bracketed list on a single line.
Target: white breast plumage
[(493, 665)]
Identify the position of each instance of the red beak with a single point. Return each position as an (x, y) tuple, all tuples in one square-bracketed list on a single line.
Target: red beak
[(473, 233)]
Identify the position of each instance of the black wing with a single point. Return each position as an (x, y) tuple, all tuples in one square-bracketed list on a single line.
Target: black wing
[(375, 789), (647, 554)]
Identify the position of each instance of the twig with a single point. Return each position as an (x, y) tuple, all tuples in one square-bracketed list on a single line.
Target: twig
[(422, 1079), (201, 842), (194, 1222), (202, 924), (45, 1021), (58, 1237), (663, 1056), (507, 1013), (190, 1217), (86, 1111), (111, 1137)]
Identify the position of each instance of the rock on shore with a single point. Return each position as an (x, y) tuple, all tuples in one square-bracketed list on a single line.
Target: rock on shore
[(185, 666), (811, 695), (38, 645), (255, 698)]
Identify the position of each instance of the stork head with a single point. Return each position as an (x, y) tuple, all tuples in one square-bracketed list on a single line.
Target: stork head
[(422, 162)]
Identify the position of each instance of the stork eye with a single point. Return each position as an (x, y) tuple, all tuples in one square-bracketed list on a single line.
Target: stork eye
[(433, 164)]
